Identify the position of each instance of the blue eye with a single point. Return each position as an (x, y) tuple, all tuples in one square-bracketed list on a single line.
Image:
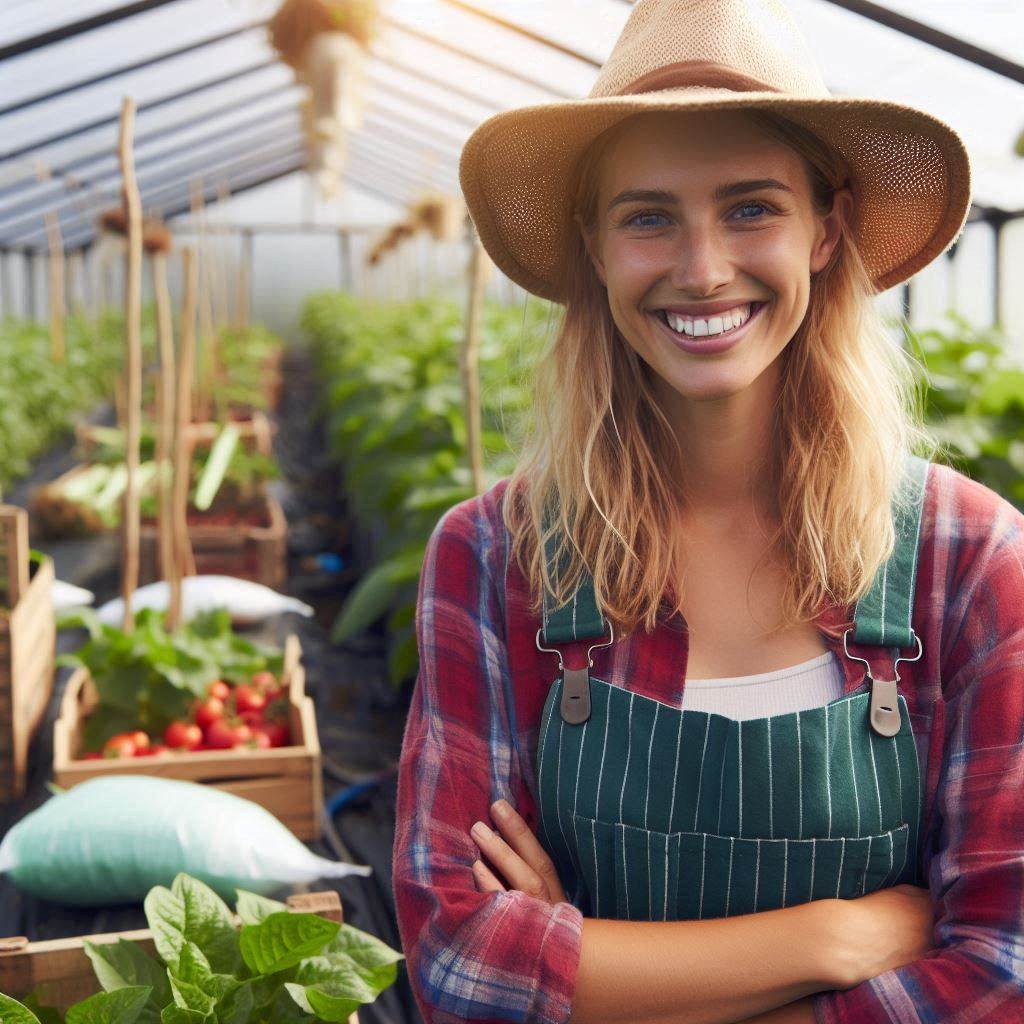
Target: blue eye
[(632, 220), (746, 206)]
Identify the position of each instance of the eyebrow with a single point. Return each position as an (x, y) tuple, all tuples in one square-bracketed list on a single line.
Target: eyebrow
[(733, 188)]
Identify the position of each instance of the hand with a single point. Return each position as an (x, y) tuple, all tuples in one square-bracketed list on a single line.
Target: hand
[(519, 856), (886, 929)]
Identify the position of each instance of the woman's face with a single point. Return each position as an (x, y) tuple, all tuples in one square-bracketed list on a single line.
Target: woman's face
[(679, 234)]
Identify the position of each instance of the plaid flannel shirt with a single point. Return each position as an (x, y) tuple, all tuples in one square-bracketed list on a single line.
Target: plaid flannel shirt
[(471, 738)]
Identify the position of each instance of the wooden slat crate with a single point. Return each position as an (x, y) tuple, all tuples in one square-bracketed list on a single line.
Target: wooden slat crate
[(257, 431), (284, 780), (27, 649), (258, 553), (61, 974)]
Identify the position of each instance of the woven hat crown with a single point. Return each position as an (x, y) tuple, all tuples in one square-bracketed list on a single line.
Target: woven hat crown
[(737, 44)]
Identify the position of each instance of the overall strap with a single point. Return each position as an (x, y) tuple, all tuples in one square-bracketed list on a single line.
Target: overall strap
[(882, 616)]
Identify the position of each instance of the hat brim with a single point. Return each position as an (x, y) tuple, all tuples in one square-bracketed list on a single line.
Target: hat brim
[(910, 174)]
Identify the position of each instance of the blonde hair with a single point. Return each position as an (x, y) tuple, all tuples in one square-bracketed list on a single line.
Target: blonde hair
[(602, 470)]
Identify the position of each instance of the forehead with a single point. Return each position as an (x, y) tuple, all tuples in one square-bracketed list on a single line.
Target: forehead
[(693, 151)]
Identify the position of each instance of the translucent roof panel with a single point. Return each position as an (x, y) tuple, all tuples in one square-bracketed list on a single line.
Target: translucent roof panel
[(214, 104)]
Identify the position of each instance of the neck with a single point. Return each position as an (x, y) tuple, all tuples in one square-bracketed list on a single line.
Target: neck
[(725, 447)]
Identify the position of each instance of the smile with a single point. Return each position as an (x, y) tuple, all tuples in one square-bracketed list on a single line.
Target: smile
[(711, 335)]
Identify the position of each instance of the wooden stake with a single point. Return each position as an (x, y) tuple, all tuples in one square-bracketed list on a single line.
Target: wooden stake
[(133, 330), (478, 273), (56, 287), (184, 561), (165, 439), (13, 554)]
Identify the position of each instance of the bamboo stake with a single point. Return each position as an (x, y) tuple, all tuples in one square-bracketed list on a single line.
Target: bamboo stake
[(223, 316), (133, 329), (183, 560), (57, 306), (165, 440), (242, 295), (470, 361)]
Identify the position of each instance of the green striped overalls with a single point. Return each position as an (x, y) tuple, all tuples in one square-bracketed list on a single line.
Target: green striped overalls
[(651, 812)]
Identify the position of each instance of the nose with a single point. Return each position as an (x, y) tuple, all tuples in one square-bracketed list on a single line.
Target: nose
[(702, 263)]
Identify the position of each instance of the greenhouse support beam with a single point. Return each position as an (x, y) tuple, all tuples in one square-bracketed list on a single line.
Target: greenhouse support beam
[(144, 138), (934, 37), (125, 69), (161, 101), (420, 101), (522, 30), (29, 270), (46, 203), (443, 44), (77, 28)]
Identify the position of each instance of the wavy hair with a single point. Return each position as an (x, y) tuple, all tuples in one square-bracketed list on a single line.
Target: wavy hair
[(601, 473)]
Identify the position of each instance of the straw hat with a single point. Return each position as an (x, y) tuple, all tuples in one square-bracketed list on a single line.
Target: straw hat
[(910, 173)]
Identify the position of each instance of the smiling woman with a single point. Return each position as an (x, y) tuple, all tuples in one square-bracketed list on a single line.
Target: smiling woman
[(725, 483)]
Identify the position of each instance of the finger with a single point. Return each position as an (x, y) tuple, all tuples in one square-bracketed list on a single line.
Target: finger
[(522, 839), (486, 880), (517, 873)]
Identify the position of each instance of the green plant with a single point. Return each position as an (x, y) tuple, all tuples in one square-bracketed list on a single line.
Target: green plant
[(396, 424), (277, 968), (148, 678), (971, 389)]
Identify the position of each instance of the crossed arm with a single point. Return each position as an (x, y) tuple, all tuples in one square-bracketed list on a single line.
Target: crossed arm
[(760, 968)]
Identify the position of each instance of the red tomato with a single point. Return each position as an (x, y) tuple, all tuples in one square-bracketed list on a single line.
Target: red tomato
[(140, 739), (252, 718), (275, 694), (91, 755), (260, 740), (121, 745), (264, 680), (219, 689), (209, 711), (249, 699), (222, 735), (278, 733), (183, 736)]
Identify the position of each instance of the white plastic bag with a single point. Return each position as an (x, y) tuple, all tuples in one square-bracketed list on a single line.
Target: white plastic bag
[(67, 595), (247, 602), (110, 840)]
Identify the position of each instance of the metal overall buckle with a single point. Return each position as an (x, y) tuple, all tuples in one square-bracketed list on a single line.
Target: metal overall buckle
[(575, 706), (885, 712)]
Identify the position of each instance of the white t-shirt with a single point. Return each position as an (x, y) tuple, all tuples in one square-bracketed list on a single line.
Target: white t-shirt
[(811, 684)]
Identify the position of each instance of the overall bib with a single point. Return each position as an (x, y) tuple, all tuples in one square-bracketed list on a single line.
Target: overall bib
[(652, 813)]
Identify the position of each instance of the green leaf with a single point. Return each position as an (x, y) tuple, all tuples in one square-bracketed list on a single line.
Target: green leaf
[(283, 940), (216, 466), (330, 988), (375, 960), (45, 1014), (208, 923), (123, 1006), (372, 596), (124, 964), (175, 1014), (253, 908), (13, 1012)]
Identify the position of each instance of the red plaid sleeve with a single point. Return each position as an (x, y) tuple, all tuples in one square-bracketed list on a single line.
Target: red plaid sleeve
[(975, 861), (470, 955)]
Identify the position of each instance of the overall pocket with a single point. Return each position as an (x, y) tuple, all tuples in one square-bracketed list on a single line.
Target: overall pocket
[(639, 874)]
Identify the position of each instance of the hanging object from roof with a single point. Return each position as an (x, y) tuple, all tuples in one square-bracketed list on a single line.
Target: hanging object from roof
[(327, 43), (439, 214)]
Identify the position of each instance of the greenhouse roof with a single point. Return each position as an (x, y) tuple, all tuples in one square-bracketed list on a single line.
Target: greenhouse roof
[(218, 111)]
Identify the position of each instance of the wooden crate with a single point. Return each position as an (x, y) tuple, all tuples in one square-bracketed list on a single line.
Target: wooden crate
[(258, 553), (61, 974), (27, 649), (284, 780), (255, 430)]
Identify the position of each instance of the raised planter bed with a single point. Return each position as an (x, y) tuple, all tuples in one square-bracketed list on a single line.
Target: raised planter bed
[(284, 780), (27, 648), (251, 546), (61, 974)]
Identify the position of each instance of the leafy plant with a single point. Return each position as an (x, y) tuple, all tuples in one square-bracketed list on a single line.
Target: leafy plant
[(148, 678), (277, 968), (971, 386), (396, 422)]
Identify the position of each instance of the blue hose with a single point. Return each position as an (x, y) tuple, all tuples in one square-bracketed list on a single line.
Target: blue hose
[(348, 794)]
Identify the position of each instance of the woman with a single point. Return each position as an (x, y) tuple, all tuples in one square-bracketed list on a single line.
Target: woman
[(725, 672)]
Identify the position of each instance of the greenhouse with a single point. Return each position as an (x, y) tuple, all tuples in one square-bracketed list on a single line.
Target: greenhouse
[(288, 314)]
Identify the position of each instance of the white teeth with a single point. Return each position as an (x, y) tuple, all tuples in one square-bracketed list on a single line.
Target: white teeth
[(722, 323)]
